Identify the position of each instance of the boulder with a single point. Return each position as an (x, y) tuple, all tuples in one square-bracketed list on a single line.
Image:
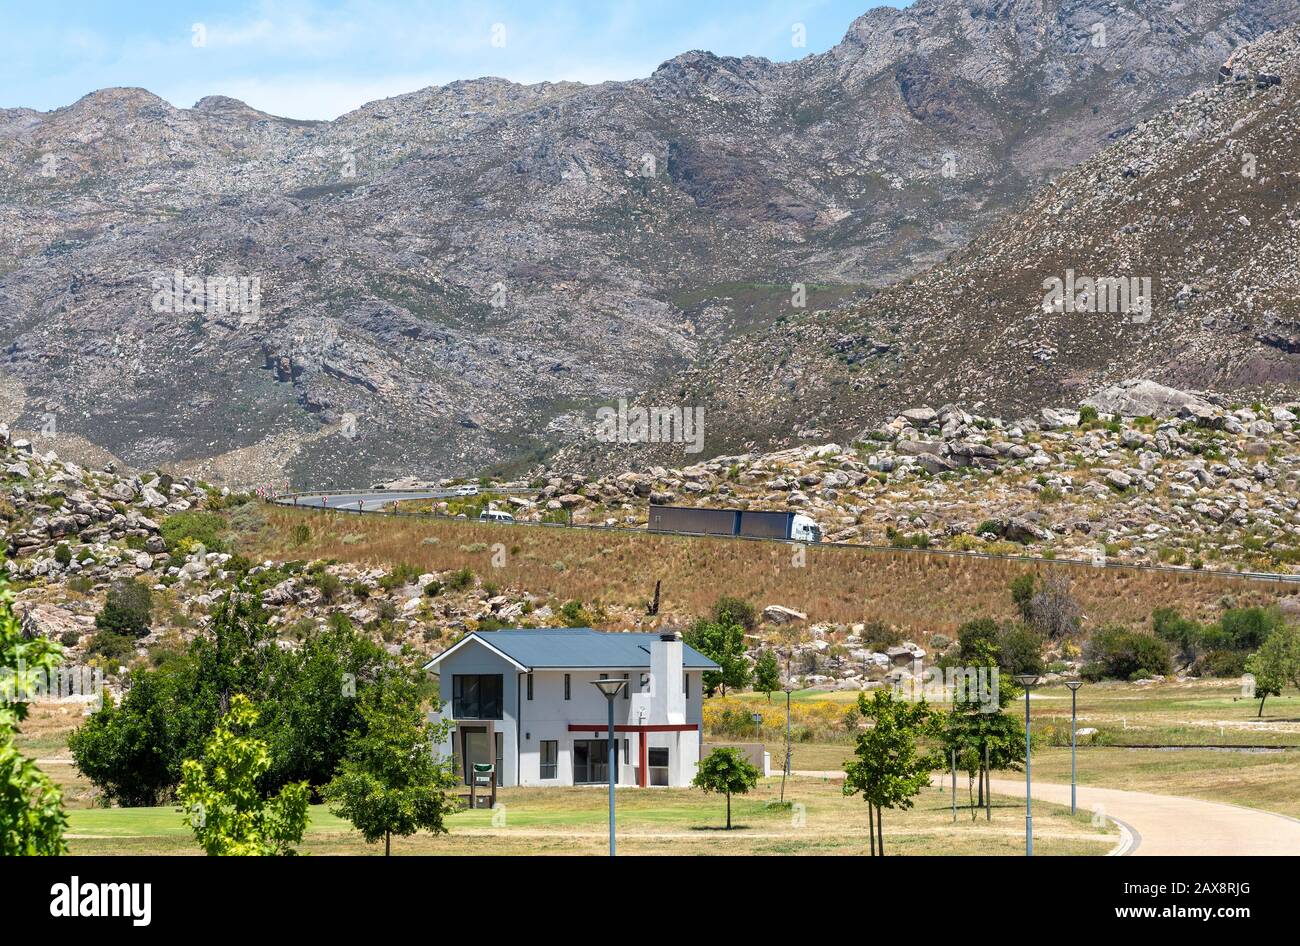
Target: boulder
[(1138, 397), (1019, 529), (47, 620), (1054, 418), (778, 614), (920, 416)]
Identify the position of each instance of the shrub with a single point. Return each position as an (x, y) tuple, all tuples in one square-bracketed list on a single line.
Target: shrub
[(880, 636), (199, 528), (402, 575), (433, 588), (1020, 650), (1088, 414), (1117, 652), (1184, 635), (970, 634), (1221, 663), (1246, 628), (69, 638), (111, 646), (738, 610), (329, 585), (461, 579), (574, 614), (301, 534), (126, 609), (63, 554)]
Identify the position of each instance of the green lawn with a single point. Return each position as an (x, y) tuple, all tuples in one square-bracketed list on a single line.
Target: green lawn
[(820, 820)]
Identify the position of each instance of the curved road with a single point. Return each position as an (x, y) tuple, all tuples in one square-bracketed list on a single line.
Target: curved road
[(1163, 825)]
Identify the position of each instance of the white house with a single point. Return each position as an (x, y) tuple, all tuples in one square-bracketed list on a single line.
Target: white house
[(524, 700)]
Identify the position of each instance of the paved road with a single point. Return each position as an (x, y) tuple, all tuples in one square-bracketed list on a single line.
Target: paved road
[(1162, 825)]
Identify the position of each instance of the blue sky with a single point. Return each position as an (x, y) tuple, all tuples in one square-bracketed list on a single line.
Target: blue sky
[(320, 58)]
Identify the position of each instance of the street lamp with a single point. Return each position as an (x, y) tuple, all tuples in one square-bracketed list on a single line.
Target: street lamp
[(1027, 680), (611, 689), (785, 771), (1074, 724)]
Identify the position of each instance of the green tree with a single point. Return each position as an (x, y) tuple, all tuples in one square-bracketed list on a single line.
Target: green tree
[(1117, 652), (976, 723), (129, 750), (32, 819), (1275, 664), (1248, 628), (723, 642), (307, 701), (725, 772), (889, 766), (1181, 633), (221, 799), (390, 782), (126, 609), (971, 634), (1020, 650), (767, 673), (1023, 588), (732, 610)]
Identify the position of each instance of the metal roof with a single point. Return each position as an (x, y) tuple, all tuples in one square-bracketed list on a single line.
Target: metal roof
[(577, 648)]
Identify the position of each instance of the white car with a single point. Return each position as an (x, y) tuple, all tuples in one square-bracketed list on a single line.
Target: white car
[(495, 515), (466, 490)]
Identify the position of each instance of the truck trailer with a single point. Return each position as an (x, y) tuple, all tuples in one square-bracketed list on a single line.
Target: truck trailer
[(757, 524)]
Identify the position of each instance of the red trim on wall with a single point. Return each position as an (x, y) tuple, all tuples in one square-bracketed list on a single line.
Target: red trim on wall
[(643, 779), (604, 727)]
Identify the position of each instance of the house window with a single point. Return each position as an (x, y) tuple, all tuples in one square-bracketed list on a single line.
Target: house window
[(658, 758), (530, 686), (627, 755), (476, 696), (550, 758), (686, 685), (627, 687), (568, 692)]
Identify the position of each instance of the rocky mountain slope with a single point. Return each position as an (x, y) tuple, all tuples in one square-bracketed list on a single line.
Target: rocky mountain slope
[(458, 276), (1201, 204), (1143, 474)]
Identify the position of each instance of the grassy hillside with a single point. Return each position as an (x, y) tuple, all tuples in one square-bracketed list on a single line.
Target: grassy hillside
[(920, 594)]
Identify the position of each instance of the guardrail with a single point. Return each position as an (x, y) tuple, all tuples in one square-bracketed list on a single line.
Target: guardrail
[(1275, 577)]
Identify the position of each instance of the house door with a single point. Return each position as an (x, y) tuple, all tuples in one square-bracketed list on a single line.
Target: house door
[(591, 761), (474, 748)]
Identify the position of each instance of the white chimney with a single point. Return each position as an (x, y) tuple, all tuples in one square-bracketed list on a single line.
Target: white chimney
[(667, 696)]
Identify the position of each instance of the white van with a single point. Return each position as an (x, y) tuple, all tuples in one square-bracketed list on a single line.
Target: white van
[(495, 515)]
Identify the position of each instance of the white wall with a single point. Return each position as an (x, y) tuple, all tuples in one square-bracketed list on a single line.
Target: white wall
[(548, 715)]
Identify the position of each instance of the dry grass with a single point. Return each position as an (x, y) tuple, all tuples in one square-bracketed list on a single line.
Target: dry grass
[(921, 594)]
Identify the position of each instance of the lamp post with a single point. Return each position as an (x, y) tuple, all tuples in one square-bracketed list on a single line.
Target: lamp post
[(785, 770), (1027, 680), (611, 688), (1074, 725)]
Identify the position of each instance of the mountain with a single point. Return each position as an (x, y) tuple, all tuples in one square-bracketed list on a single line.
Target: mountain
[(460, 276), (1203, 201)]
